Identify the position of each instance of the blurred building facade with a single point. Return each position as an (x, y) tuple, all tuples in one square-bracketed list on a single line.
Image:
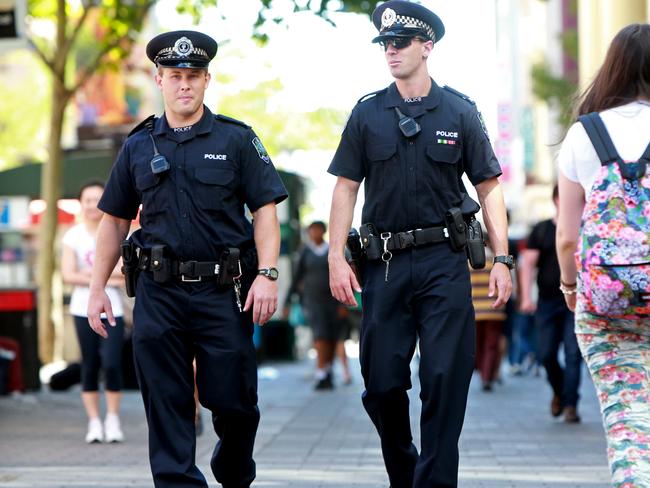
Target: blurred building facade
[(548, 50), (599, 21)]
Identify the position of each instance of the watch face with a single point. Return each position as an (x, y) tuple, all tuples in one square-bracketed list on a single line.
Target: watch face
[(270, 273)]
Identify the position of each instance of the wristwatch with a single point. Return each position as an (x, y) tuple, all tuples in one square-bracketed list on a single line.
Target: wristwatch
[(270, 273), (508, 260)]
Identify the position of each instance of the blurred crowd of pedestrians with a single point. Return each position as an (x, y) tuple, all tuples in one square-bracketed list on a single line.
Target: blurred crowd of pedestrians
[(581, 286)]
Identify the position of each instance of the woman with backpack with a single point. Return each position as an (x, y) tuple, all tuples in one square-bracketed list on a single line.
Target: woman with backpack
[(604, 183)]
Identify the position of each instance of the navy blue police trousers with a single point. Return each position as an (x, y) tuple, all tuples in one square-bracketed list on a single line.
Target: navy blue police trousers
[(427, 297), (174, 323)]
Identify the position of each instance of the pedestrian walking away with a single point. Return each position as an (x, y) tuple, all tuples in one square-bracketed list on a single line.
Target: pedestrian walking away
[(200, 271), (322, 311), (489, 327), (553, 319), (410, 143), (604, 183)]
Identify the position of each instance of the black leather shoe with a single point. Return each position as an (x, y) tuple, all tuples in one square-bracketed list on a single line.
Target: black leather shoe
[(198, 424), (325, 383), (556, 406)]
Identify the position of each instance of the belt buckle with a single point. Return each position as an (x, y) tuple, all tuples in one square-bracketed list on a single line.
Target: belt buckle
[(185, 279), (189, 268)]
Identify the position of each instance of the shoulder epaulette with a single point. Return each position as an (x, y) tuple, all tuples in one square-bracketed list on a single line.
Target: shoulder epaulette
[(230, 120), (459, 94), (142, 124), (368, 96)]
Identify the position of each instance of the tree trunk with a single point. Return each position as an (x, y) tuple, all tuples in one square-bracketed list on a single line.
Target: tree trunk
[(50, 192)]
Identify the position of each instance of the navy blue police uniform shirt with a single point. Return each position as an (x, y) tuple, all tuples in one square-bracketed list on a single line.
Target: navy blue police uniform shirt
[(411, 183), (197, 207)]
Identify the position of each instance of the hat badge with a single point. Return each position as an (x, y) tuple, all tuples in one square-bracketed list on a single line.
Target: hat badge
[(388, 18), (183, 47)]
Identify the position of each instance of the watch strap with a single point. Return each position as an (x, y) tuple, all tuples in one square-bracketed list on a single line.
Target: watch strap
[(508, 260)]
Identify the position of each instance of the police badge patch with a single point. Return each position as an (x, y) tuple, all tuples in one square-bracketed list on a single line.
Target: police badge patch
[(388, 18), (183, 47), (482, 122), (261, 150)]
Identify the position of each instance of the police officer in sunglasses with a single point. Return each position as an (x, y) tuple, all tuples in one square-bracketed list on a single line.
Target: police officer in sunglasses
[(410, 143)]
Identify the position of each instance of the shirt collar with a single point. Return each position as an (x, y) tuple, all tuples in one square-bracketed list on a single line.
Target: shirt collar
[(203, 126), (394, 99)]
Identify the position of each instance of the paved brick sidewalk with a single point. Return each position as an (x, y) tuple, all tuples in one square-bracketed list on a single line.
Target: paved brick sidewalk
[(310, 440)]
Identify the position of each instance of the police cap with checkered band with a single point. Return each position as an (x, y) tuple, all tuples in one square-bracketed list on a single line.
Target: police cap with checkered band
[(182, 49), (400, 18)]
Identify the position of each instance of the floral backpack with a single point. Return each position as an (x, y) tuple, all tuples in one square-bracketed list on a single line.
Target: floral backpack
[(613, 255)]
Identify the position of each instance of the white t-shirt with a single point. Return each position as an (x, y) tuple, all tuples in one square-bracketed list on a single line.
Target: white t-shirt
[(629, 128), (83, 244)]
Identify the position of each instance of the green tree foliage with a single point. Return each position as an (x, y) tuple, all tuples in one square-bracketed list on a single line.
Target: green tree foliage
[(114, 25), (24, 109), (559, 91), (283, 130), (321, 8)]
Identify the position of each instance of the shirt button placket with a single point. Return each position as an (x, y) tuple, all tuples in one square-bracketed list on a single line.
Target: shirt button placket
[(183, 199), (411, 177)]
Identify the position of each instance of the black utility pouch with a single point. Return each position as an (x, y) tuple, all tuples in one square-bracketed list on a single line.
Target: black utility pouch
[(160, 265), (129, 266), (229, 266), (475, 244), (357, 256), (457, 228), (370, 241)]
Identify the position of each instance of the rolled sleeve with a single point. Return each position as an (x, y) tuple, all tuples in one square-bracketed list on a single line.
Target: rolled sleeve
[(349, 158), (120, 198), (480, 162), (261, 182), (566, 158)]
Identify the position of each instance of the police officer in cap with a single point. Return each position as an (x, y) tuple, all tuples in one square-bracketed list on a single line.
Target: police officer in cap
[(204, 272), (410, 143)]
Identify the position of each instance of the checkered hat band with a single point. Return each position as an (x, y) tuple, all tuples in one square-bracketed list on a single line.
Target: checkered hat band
[(405, 21), (166, 52)]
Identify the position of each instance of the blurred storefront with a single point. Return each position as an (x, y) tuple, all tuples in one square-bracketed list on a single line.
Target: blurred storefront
[(547, 52), (599, 21)]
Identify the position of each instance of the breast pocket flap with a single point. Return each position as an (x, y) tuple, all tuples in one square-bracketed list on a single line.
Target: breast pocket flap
[(381, 152), (215, 176), (145, 181), (443, 153)]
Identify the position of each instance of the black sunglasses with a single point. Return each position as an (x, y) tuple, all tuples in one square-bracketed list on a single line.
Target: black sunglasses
[(397, 42)]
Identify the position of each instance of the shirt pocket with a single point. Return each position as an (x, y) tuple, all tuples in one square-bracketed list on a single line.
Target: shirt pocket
[(149, 186), (214, 185), (442, 165), (382, 165)]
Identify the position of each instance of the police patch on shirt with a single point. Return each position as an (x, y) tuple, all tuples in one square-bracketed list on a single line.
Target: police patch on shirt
[(446, 137), (482, 122), (261, 150)]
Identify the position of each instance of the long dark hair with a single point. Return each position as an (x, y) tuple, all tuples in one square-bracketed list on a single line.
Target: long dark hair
[(625, 73)]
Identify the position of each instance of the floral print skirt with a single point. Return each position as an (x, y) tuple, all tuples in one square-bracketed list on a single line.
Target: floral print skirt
[(617, 353)]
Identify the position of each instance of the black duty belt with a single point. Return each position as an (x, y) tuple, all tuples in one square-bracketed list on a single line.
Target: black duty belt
[(188, 271), (403, 240)]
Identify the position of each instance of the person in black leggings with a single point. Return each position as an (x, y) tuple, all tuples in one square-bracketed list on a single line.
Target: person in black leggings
[(97, 353)]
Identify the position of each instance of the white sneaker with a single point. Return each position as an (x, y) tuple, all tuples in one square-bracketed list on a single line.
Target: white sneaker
[(95, 432), (112, 428)]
